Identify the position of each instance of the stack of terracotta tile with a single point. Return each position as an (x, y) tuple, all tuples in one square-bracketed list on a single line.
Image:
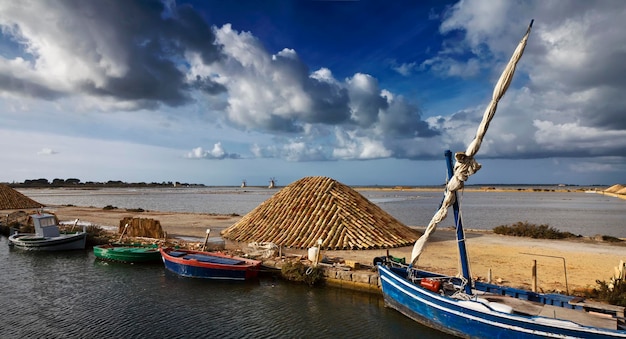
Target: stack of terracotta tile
[(11, 199), (316, 208)]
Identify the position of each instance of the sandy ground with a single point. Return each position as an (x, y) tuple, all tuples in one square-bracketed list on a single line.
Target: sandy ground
[(510, 259)]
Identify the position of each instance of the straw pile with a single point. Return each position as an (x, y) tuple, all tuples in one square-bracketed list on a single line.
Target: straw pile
[(141, 227), (315, 208), (11, 199)]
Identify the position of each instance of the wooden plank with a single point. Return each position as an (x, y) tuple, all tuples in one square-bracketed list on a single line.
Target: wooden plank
[(579, 317), (519, 305)]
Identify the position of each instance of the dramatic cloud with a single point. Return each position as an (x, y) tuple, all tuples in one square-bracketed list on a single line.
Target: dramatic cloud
[(572, 76), (276, 93), (116, 50), (166, 76)]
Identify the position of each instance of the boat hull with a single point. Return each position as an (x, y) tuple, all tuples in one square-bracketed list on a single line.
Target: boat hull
[(127, 253), (64, 242), (472, 319), (209, 265)]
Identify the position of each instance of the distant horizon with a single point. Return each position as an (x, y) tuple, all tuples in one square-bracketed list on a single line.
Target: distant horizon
[(177, 184)]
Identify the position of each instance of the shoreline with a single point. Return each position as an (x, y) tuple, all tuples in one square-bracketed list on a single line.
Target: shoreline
[(508, 258)]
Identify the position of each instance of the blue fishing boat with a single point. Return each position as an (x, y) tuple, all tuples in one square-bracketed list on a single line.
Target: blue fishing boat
[(459, 306), (209, 265), (48, 237)]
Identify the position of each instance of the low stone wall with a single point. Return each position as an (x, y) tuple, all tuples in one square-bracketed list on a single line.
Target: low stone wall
[(361, 280)]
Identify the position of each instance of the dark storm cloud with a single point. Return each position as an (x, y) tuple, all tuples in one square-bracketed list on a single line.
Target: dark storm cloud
[(129, 50), (403, 119), (208, 86), (330, 102), (27, 87)]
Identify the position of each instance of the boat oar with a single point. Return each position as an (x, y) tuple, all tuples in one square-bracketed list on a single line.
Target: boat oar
[(123, 232), (206, 239)]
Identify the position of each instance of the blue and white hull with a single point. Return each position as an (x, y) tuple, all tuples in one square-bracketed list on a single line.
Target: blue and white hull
[(477, 317)]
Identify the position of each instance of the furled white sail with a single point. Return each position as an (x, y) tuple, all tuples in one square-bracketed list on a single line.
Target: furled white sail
[(465, 165)]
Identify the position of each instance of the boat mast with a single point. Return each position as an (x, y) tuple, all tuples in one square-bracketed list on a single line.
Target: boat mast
[(460, 235), (466, 165)]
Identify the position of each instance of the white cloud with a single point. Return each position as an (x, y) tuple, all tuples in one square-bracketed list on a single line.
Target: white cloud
[(46, 151), (353, 147), (570, 137), (405, 68), (217, 152)]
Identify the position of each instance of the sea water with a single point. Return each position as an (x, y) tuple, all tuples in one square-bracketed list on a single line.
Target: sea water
[(576, 212), (74, 295)]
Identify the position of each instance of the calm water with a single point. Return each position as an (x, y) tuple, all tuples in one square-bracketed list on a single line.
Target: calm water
[(579, 213), (72, 295)]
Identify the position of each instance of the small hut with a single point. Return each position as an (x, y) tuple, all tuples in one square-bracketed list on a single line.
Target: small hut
[(316, 208)]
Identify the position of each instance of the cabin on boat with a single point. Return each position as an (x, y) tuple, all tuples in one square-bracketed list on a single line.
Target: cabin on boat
[(45, 225)]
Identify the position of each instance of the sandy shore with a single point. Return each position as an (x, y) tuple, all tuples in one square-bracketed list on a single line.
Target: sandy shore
[(509, 258)]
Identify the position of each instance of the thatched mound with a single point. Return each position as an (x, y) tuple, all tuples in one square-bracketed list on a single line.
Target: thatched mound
[(11, 199), (315, 208), (614, 189)]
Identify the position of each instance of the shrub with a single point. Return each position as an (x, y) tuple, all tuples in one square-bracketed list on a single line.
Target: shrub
[(524, 229), (614, 294), (609, 238)]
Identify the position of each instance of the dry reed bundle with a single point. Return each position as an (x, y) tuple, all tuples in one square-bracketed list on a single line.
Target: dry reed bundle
[(141, 227)]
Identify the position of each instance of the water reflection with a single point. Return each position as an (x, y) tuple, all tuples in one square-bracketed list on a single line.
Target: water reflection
[(58, 295)]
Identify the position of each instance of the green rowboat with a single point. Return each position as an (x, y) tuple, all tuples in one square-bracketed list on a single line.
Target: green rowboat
[(127, 253)]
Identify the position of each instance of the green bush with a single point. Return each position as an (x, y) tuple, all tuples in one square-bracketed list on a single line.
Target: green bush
[(524, 229), (609, 238), (613, 296)]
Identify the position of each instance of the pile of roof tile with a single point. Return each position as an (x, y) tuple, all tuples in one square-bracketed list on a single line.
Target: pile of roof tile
[(11, 199), (316, 208)]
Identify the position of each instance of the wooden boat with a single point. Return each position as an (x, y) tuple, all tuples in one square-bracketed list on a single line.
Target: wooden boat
[(127, 253), (47, 236), (209, 265), (462, 307)]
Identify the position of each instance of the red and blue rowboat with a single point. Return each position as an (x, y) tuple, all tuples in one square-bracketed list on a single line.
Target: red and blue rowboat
[(209, 265)]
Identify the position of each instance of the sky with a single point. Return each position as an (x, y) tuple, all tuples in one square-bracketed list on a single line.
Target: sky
[(365, 92)]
